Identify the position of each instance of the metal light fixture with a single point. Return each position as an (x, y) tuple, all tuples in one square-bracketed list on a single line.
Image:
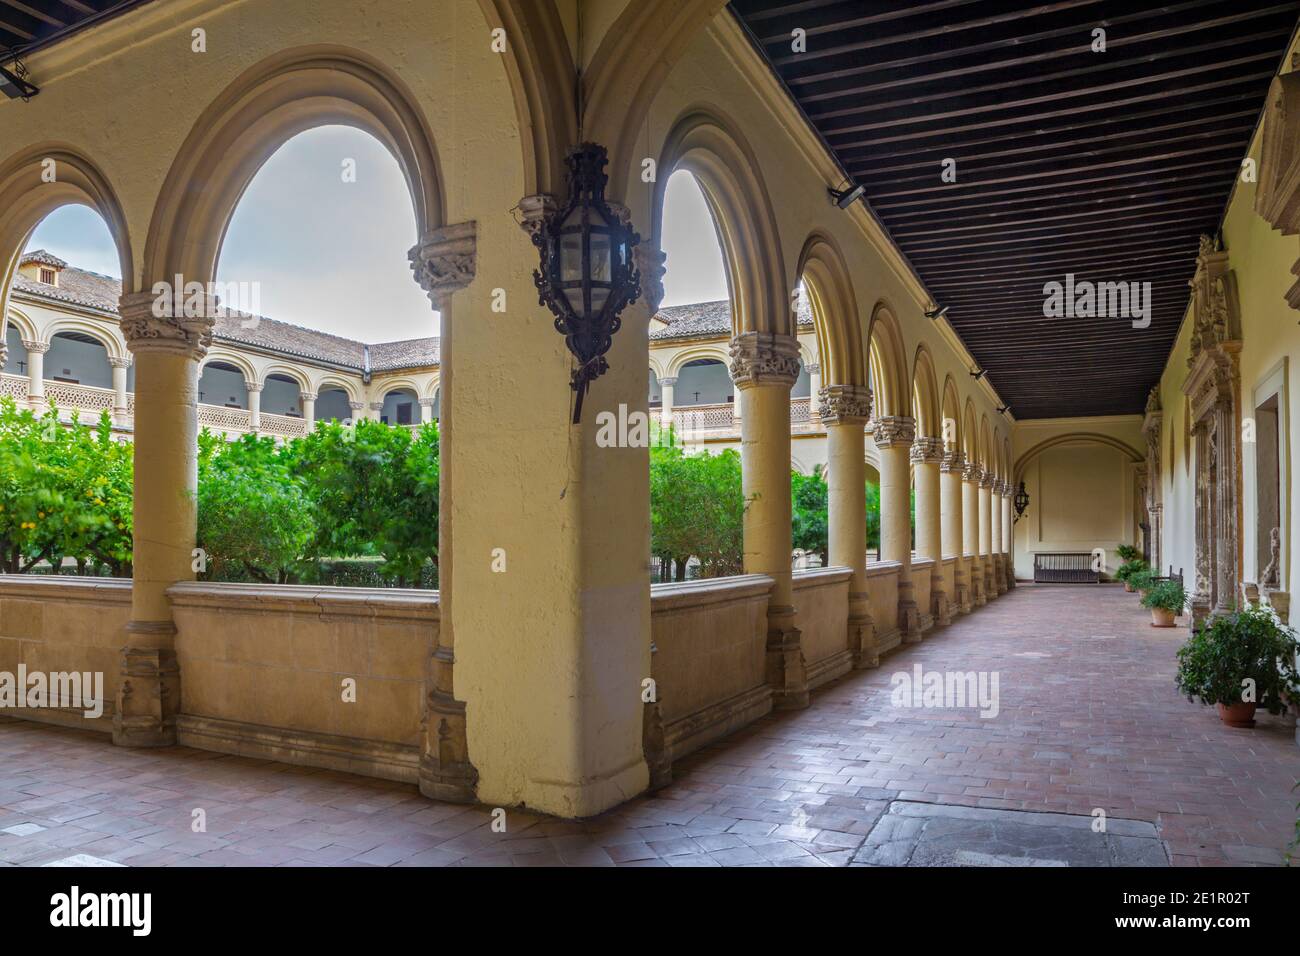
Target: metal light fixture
[(1021, 501), (14, 83), (1003, 409), (844, 198), (937, 314), (587, 276), (977, 374)]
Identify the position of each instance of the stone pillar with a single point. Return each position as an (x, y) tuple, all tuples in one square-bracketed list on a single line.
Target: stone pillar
[(426, 410), (667, 390), (121, 407), (376, 411), (951, 507), (1008, 536), (845, 410), (764, 366), (927, 453), (36, 372), (167, 353), (893, 437), (970, 509), (358, 411), (986, 534), (308, 400), (254, 405), (995, 536), (814, 390)]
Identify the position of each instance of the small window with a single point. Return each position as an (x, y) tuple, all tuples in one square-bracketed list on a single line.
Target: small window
[(404, 413), (47, 276)]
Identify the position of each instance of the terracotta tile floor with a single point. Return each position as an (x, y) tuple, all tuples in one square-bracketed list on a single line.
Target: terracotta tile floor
[(1089, 717)]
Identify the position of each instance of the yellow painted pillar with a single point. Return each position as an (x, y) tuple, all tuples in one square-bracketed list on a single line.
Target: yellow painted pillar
[(1008, 535), (764, 366), (986, 533), (927, 453), (995, 535), (970, 509), (167, 354), (893, 437), (845, 410), (951, 505)]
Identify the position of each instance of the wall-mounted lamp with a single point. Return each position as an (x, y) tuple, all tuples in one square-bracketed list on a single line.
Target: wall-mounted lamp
[(1003, 409), (1021, 501), (14, 83), (848, 196), (937, 314), (977, 374)]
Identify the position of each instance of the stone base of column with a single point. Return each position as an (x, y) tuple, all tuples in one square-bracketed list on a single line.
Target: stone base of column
[(787, 672), (149, 690), (940, 610), (990, 580), (655, 746), (1011, 572), (909, 615), (978, 597), (862, 633), (1000, 573), (445, 771)]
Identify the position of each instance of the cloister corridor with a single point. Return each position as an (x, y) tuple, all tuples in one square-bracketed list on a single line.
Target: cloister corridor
[(1088, 718)]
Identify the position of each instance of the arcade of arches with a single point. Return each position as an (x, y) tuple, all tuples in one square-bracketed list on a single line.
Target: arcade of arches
[(521, 683)]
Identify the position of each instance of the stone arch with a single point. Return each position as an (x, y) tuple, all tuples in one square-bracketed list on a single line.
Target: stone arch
[(836, 321), (708, 146), (950, 410), (925, 395), (398, 384), (289, 372), (23, 323), (231, 357), (888, 364), (657, 367), (1074, 438), (114, 345), (970, 434), (337, 381), (715, 352), (286, 94), (26, 198), (985, 444)]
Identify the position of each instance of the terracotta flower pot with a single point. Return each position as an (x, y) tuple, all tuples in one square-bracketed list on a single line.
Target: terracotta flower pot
[(1162, 618), (1238, 715), (1129, 588)]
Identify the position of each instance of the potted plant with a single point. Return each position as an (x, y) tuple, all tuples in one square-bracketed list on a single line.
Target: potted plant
[(1143, 580), (1165, 600), (1127, 570), (1239, 661), (1127, 552)]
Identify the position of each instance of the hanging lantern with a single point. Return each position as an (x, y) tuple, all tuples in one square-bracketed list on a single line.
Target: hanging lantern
[(587, 276), (1021, 501)]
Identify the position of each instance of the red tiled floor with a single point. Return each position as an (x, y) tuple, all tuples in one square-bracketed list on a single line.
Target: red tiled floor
[(1089, 717)]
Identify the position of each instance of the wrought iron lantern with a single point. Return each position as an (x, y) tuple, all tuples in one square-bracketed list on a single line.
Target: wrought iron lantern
[(587, 277), (1021, 501)]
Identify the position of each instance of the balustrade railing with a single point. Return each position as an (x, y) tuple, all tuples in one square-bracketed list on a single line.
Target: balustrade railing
[(287, 425), (15, 386), (231, 419)]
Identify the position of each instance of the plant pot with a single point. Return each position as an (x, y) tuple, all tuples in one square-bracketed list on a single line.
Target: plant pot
[(1162, 618), (1238, 715), (1128, 587)]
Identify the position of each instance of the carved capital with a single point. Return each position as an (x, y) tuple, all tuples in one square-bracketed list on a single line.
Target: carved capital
[(650, 264), (987, 480), (427, 402), (894, 431), (813, 369), (357, 406), (33, 346), (844, 404), (669, 381), (534, 211), (953, 462), (307, 396), (972, 473), (149, 325), (927, 450), (445, 261), (123, 362), (764, 358), (253, 386)]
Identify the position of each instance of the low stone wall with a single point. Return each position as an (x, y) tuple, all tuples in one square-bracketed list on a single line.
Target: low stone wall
[(710, 658), (922, 570), (821, 597), (882, 586), (326, 677), (53, 623), (948, 568)]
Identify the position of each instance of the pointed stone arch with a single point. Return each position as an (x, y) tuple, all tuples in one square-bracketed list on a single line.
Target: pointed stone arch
[(706, 144), (950, 411), (838, 326), (1073, 438), (970, 434), (888, 365), (925, 395)]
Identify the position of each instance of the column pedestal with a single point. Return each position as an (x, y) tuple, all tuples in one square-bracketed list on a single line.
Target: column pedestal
[(971, 475), (845, 410), (927, 454), (950, 470), (893, 437)]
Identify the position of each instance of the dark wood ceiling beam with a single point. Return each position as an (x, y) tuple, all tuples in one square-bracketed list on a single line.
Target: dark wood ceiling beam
[(997, 223), (35, 12)]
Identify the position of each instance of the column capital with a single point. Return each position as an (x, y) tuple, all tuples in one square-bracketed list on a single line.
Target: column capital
[(445, 260), (376, 406), (649, 263), (927, 450), (813, 368), (972, 472), (119, 362), (357, 406), (894, 431), (987, 480), (307, 396), (252, 386), (534, 211), (148, 326), (427, 402), (669, 380), (764, 358), (953, 461), (35, 346), (844, 404)]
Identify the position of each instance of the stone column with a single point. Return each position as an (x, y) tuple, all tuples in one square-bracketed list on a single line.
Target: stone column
[(999, 536), (970, 509), (951, 507), (764, 366), (927, 453), (254, 405), (426, 410), (358, 411), (167, 353), (845, 410), (308, 400), (814, 390), (1008, 536), (986, 534), (121, 407), (667, 390), (36, 372), (376, 411), (893, 437)]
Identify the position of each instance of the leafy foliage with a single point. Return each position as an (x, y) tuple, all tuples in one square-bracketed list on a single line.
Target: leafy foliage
[(1127, 552), (697, 508), (1167, 596), (1129, 568), (1225, 651), (810, 508)]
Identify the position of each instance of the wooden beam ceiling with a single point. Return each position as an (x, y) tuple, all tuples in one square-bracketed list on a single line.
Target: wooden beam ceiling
[(1107, 165), (26, 24)]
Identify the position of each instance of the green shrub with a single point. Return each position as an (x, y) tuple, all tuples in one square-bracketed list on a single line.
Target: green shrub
[(1143, 579), (1165, 596), (1225, 652), (1130, 568), (1127, 552)]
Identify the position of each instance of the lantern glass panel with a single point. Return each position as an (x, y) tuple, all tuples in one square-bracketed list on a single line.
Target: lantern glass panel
[(601, 267), (598, 297), (571, 257)]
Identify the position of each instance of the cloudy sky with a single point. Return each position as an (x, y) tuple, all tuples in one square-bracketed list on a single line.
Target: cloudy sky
[(330, 254)]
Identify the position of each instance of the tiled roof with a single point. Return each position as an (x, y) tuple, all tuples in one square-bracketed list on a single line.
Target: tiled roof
[(43, 257), (408, 353), (77, 287), (706, 319)]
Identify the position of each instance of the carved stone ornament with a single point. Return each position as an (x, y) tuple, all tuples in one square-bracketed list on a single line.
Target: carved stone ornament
[(973, 473), (987, 480), (650, 263), (1277, 199), (1271, 579), (844, 404), (146, 330), (764, 358), (953, 462), (927, 450), (1216, 319), (445, 260), (32, 345), (894, 430)]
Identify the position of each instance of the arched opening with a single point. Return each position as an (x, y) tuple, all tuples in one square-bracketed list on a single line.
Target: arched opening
[(282, 395), (333, 404), (78, 358), (223, 385), (401, 406), (705, 382)]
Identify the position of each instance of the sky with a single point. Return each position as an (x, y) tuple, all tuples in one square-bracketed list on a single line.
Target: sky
[(330, 254)]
